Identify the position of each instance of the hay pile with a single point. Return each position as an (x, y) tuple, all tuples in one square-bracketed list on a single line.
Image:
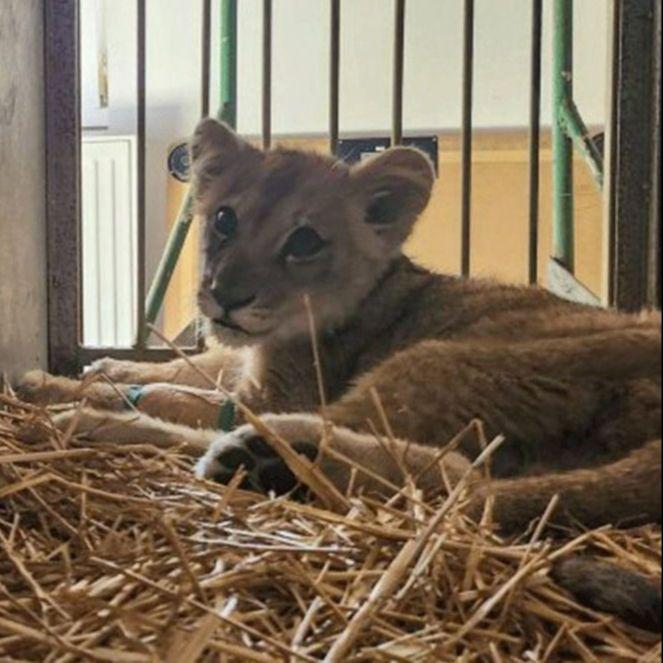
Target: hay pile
[(118, 554)]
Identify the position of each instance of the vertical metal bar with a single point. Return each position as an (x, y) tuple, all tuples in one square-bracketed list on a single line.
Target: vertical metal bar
[(206, 53), (632, 151), (141, 37), (398, 75), (535, 141), (610, 161), (266, 74), (466, 158), (334, 75), (563, 221), (654, 257), (205, 84), (228, 64), (63, 195)]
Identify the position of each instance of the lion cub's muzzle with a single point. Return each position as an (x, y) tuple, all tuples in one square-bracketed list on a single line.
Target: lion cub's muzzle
[(234, 318)]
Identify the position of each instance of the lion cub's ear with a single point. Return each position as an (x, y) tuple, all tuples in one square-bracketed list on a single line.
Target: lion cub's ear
[(216, 148), (396, 187)]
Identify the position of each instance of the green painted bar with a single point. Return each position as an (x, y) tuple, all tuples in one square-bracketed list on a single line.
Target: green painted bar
[(227, 113), (577, 131), (228, 56), (169, 260), (562, 93)]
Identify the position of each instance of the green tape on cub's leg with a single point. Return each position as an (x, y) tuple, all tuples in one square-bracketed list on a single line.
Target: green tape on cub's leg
[(133, 396), (227, 414)]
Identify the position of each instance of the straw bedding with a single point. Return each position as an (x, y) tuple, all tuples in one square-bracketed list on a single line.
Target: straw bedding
[(118, 554)]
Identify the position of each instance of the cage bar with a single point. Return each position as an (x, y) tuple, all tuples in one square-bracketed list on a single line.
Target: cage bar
[(141, 37), (334, 74), (398, 74), (206, 54), (466, 150), (267, 74), (563, 222), (611, 140), (63, 193), (632, 154), (574, 126), (654, 257), (228, 62), (535, 140), (630, 189), (169, 259)]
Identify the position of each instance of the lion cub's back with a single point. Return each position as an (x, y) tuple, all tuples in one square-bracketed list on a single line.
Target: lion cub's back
[(476, 309)]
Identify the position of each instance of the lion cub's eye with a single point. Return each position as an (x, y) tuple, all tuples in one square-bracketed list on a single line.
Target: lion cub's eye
[(303, 244), (225, 222)]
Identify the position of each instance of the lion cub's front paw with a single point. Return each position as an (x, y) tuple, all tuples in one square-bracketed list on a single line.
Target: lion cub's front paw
[(266, 470), (33, 386), (40, 431), (42, 388)]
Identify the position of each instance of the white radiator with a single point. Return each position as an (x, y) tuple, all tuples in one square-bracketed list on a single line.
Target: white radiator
[(109, 241)]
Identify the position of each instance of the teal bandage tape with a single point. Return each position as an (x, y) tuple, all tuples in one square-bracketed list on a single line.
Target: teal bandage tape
[(227, 414), (133, 395)]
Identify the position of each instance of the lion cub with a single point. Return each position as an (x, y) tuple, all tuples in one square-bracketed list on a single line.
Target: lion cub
[(576, 391)]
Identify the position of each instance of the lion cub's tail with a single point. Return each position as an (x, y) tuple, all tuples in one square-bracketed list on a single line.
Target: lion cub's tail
[(610, 588)]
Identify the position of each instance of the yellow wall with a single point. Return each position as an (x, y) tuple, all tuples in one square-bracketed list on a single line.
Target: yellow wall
[(500, 212), (180, 303), (500, 204)]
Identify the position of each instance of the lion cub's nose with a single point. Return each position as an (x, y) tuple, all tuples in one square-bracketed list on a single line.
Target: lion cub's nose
[(231, 301)]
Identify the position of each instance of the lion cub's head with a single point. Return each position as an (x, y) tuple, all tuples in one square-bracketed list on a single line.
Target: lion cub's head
[(282, 224)]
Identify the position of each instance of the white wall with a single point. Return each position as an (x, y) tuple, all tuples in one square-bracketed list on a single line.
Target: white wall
[(432, 70), (432, 76), (173, 86), (301, 64), (93, 46)]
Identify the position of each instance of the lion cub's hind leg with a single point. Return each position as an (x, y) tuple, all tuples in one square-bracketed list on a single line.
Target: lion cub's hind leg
[(625, 493)]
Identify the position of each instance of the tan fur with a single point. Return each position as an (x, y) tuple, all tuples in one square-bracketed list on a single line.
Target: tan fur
[(576, 391)]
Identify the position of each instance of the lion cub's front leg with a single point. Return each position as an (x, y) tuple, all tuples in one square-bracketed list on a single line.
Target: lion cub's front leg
[(199, 408), (380, 465), (121, 428), (199, 371)]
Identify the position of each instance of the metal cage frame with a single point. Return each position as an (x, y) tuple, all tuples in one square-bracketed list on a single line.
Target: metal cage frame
[(632, 164)]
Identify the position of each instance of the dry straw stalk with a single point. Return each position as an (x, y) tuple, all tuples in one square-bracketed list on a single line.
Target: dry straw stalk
[(112, 553)]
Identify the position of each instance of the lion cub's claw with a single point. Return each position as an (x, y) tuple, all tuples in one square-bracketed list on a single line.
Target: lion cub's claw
[(244, 448)]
